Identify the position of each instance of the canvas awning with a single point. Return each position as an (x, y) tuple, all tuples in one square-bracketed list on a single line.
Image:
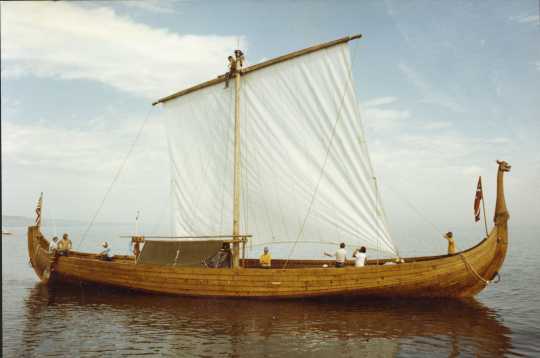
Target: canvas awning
[(178, 253)]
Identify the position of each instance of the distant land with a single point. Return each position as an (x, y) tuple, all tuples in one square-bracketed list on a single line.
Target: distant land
[(23, 221)]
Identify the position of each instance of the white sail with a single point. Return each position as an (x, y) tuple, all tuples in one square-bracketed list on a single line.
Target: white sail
[(200, 133), (305, 169)]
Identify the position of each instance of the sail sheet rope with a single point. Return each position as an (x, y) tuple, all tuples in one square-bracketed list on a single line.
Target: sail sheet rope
[(116, 176), (435, 228)]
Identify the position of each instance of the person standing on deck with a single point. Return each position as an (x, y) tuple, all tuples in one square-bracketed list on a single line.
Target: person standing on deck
[(53, 246), (340, 255), (451, 243), (266, 259)]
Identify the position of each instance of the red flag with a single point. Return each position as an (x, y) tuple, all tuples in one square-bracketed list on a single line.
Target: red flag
[(38, 210), (477, 199)]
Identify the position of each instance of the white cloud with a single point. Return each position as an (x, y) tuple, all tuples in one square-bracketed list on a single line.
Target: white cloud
[(97, 148), (75, 167), (379, 101), (443, 101), (68, 41), (414, 77), (431, 95), (437, 125), (526, 19), (155, 6), (384, 119)]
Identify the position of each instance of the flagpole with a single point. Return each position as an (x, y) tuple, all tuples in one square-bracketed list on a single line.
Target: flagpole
[(39, 210), (484, 207)]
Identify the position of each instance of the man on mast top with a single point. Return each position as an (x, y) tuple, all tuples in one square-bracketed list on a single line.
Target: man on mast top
[(235, 63)]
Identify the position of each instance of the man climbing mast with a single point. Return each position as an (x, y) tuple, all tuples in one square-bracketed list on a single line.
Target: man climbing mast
[(235, 63)]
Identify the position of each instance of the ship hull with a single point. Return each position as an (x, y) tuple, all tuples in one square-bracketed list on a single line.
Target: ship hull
[(460, 275)]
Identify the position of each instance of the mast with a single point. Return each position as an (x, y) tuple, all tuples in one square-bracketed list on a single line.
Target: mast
[(236, 196)]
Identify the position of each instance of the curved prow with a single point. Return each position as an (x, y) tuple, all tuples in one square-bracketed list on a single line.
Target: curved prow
[(38, 253), (501, 212)]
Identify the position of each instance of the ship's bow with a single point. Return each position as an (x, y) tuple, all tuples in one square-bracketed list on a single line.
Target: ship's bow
[(38, 253)]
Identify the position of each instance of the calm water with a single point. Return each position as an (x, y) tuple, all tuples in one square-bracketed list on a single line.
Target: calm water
[(504, 320)]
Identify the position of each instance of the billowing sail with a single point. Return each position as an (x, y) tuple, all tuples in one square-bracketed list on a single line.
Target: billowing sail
[(200, 133), (305, 169)]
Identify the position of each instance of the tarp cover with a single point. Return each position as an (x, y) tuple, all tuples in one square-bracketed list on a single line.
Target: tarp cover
[(190, 253)]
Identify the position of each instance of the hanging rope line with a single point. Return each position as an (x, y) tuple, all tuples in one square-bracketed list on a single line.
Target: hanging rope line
[(474, 272), (115, 177), (406, 201), (325, 162), (159, 219)]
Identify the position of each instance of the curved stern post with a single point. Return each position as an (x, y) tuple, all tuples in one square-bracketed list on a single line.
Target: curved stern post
[(38, 253)]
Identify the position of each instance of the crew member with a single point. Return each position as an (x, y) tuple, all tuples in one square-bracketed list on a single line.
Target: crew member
[(266, 259), (340, 255)]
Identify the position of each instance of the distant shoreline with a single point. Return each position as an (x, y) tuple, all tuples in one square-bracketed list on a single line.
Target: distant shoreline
[(24, 221)]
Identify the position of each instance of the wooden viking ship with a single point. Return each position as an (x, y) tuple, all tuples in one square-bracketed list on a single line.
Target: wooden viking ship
[(295, 170)]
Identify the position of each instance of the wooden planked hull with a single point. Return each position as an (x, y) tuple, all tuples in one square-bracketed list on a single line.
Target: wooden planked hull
[(441, 276), (459, 275)]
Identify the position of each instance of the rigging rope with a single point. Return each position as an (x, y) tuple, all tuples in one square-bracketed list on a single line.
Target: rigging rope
[(471, 268), (328, 148), (115, 178), (436, 229)]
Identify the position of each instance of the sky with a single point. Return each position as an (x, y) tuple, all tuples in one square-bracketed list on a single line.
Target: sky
[(445, 89)]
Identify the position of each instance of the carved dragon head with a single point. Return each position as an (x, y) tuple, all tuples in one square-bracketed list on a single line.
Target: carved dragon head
[(504, 166)]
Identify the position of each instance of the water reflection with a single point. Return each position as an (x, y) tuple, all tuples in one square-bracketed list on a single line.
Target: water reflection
[(80, 321)]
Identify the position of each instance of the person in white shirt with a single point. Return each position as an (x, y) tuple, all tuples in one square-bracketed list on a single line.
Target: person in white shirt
[(340, 255), (360, 258), (106, 253), (53, 246)]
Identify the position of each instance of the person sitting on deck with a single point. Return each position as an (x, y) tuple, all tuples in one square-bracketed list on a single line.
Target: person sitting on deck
[(266, 259), (360, 258), (53, 246), (220, 259), (451, 243), (340, 255), (64, 246), (105, 254)]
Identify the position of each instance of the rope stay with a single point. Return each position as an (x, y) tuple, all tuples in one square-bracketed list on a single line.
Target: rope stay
[(117, 175), (474, 272)]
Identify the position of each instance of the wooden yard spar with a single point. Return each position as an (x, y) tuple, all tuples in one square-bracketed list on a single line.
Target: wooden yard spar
[(292, 86)]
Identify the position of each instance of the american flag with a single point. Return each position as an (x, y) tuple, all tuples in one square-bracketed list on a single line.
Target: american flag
[(477, 199), (38, 210)]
